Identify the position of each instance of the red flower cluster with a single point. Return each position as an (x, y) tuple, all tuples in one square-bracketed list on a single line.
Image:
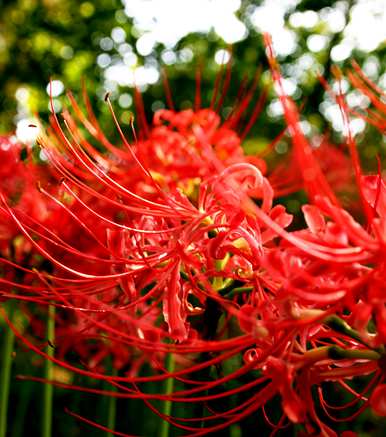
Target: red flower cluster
[(170, 247)]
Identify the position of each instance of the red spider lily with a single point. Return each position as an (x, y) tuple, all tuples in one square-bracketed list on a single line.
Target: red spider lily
[(376, 115), (158, 248), (17, 184), (286, 177), (378, 400)]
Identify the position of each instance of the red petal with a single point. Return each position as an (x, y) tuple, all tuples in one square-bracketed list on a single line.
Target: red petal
[(378, 400), (314, 218)]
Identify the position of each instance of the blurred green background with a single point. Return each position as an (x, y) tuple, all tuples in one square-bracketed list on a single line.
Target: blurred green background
[(113, 44)]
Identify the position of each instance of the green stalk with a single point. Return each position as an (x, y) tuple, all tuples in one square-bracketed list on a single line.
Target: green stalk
[(238, 290), (339, 353), (49, 374), (24, 399), (112, 408), (340, 325), (218, 281), (167, 405), (5, 375)]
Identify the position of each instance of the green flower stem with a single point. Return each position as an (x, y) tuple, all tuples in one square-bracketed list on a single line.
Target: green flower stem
[(340, 325), (5, 374), (218, 281), (48, 374), (24, 399), (112, 408), (339, 353), (238, 290), (167, 405)]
